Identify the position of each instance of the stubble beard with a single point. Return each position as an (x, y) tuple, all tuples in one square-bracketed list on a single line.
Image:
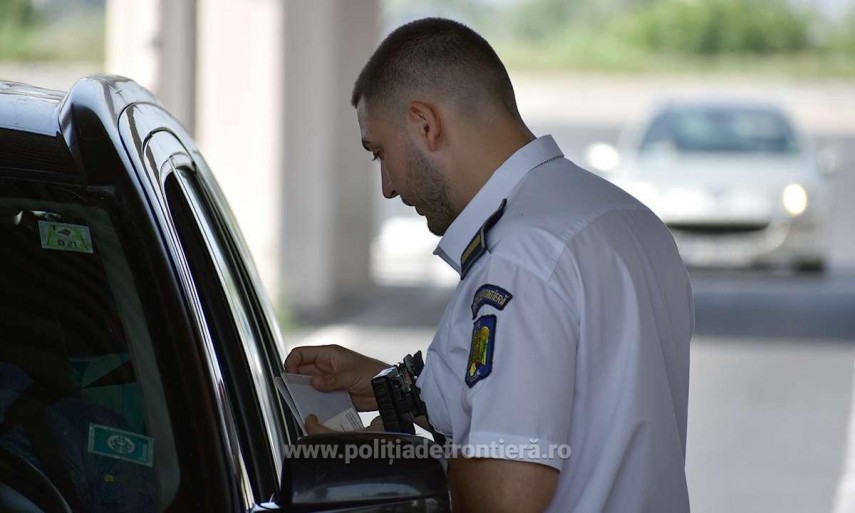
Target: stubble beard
[(429, 191)]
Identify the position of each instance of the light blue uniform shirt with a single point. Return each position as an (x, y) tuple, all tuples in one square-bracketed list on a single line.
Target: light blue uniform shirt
[(577, 342)]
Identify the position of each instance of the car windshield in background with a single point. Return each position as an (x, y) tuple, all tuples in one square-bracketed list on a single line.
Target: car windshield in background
[(80, 393), (720, 130)]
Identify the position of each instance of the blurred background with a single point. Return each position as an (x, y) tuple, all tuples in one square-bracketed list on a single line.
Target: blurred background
[(734, 120)]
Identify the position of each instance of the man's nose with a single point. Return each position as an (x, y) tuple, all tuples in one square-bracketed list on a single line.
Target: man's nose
[(389, 191)]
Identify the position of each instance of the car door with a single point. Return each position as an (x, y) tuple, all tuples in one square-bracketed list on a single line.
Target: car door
[(238, 336), (243, 337)]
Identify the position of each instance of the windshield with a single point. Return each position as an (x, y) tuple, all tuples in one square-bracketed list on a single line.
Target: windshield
[(720, 130), (80, 393)]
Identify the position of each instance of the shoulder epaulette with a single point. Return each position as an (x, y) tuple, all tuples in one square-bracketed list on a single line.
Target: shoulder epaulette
[(478, 245)]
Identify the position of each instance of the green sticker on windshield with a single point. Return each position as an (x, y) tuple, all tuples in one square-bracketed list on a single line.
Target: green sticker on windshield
[(65, 237), (122, 445)]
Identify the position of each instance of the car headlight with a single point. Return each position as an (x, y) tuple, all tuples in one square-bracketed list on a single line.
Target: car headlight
[(795, 199)]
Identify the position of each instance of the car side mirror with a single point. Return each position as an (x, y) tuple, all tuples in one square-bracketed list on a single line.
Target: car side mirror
[(363, 471)]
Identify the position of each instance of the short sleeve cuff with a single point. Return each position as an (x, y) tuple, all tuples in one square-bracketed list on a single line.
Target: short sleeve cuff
[(514, 447)]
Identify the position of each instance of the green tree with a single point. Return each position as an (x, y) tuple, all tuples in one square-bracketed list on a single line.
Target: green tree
[(710, 27), (17, 12), (537, 20)]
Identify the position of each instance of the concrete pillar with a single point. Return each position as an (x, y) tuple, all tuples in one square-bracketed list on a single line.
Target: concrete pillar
[(176, 77), (133, 45), (328, 185), (239, 116), (265, 87), (154, 43)]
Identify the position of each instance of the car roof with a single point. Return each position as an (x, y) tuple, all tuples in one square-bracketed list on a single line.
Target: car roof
[(42, 131), (29, 108), (722, 104)]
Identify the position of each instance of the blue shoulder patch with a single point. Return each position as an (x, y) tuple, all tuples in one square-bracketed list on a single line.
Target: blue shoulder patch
[(480, 362), (492, 295)]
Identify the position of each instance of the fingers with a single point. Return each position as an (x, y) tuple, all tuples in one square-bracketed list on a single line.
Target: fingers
[(313, 426), (299, 356), (333, 367), (332, 382), (308, 369), (308, 357)]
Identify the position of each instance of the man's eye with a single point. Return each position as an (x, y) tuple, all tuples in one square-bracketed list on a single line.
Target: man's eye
[(375, 156)]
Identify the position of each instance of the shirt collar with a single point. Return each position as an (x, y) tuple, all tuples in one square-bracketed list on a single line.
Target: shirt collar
[(498, 187)]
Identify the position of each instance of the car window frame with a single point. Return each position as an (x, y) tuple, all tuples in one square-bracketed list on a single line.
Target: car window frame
[(243, 339), (259, 305)]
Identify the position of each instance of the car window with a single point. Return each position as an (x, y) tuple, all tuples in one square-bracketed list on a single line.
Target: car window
[(81, 395), (245, 347), (720, 130)]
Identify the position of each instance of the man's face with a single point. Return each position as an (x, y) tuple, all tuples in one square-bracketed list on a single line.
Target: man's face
[(406, 171)]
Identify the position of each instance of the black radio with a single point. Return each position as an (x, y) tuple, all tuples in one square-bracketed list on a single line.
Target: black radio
[(398, 396)]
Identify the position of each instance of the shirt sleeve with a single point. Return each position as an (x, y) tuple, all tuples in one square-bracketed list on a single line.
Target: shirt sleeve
[(521, 409)]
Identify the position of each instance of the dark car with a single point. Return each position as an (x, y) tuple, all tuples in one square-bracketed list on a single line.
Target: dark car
[(137, 353)]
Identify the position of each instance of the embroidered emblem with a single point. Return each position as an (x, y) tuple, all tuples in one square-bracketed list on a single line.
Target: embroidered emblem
[(481, 353), (478, 245), (492, 295)]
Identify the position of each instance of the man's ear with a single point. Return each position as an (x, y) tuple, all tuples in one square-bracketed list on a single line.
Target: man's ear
[(423, 120)]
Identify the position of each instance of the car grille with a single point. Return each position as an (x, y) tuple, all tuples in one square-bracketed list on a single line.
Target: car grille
[(718, 229)]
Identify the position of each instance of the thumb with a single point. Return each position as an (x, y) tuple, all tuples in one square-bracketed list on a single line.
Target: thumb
[(376, 425), (313, 425)]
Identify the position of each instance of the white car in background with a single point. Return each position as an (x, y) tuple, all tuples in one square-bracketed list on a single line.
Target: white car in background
[(736, 182)]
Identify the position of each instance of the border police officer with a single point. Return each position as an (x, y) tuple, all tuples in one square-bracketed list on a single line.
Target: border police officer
[(562, 361)]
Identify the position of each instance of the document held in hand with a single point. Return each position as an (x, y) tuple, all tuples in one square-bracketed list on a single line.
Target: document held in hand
[(334, 410)]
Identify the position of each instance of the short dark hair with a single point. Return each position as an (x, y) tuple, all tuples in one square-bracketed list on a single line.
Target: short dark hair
[(435, 55)]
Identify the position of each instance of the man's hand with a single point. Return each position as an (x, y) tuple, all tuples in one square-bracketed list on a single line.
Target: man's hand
[(336, 368), (484, 484), (313, 426)]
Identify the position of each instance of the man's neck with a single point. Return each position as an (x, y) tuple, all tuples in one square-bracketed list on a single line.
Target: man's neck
[(487, 151)]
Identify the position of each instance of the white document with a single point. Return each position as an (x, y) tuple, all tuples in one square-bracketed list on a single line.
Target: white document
[(334, 410)]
